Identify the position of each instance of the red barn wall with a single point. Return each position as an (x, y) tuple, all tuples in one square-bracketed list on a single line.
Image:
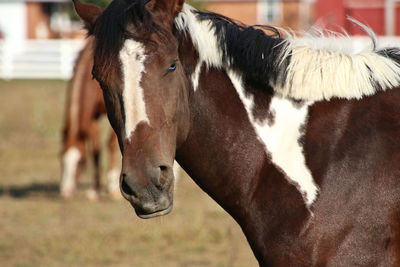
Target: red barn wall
[(332, 15)]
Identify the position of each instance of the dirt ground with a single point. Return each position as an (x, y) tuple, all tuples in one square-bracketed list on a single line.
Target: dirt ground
[(38, 228)]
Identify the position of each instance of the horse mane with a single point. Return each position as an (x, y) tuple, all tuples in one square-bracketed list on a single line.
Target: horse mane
[(309, 68), (249, 48), (329, 64), (240, 47), (121, 20)]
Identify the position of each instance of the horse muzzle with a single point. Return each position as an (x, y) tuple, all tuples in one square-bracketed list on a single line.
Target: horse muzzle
[(150, 196)]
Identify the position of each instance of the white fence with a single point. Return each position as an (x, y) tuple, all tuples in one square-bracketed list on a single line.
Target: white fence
[(38, 59), (54, 59)]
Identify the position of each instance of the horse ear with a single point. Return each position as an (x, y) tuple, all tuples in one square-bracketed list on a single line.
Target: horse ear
[(88, 13), (175, 6)]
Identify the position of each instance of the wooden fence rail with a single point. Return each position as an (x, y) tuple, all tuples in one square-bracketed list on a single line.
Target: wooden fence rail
[(54, 59), (38, 59)]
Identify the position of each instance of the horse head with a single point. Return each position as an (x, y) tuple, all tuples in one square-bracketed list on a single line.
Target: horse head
[(145, 89)]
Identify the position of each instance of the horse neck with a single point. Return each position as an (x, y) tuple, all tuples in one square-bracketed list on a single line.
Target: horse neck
[(224, 156)]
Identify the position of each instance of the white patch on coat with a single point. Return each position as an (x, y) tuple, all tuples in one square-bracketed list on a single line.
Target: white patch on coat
[(281, 138), (196, 75), (202, 34), (70, 162), (132, 57)]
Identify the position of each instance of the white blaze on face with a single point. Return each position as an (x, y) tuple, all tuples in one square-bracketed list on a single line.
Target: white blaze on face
[(132, 56), (70, 166), (281, 138)]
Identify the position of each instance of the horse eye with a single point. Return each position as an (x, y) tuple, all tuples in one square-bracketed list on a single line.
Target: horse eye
[(172, 67)]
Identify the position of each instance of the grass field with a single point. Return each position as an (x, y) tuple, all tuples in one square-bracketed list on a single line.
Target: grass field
[(38, 228)]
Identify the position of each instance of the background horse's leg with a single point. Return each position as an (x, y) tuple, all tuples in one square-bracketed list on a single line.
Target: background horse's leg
[(72, 160), (94, 133), (178, 172), (114, 168)]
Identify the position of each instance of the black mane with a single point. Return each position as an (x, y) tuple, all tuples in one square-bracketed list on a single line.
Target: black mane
[(121, 20), (249, 49)]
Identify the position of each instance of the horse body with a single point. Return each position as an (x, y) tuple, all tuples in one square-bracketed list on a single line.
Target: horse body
[(84, 107), (358, 204), (355, 218), (311, 182), (349, 146)]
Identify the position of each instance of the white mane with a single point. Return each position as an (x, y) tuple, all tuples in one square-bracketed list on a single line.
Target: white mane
[(333, 65)]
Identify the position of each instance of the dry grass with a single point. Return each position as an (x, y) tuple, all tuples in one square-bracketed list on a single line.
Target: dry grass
[(37, 228)]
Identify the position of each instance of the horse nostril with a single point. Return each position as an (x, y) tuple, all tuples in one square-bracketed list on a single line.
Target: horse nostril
[(126, 188), (163, 168), (164, 177)]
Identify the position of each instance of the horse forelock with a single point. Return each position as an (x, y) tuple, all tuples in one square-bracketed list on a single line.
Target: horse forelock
[(121, 20)]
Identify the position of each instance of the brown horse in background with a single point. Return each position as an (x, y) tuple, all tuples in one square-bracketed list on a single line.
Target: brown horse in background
[(85, 105)]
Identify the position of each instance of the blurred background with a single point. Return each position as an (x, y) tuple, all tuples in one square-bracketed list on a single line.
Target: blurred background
[(39, 43), (51, 29)]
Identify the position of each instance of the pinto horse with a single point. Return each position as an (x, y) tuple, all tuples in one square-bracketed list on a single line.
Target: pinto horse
[(84, 107), (297, 139)]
